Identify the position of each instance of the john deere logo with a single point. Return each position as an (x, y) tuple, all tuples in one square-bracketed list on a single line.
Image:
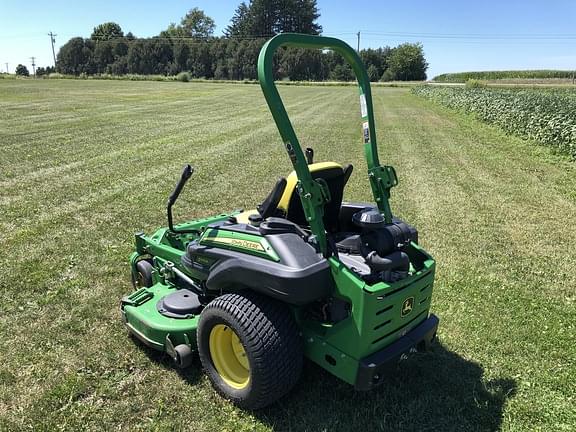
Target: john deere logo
[(407, 306)]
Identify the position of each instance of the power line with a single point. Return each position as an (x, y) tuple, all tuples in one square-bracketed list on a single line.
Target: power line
[(53, 41), (481, 36), (475, 36), (444, 42)]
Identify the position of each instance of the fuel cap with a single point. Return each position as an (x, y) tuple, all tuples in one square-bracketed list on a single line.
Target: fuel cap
[(370, 219)]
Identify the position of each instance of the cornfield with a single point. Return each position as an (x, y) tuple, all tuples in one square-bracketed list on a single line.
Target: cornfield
[(546, 116), (461, 77)]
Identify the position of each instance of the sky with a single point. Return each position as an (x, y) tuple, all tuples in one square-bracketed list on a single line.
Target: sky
[(456, 35)]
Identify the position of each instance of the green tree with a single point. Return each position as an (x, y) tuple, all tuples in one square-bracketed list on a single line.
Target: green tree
[(75, 57), (149, 56), (265, 18), (376, 57), (241, 22), (22, 70), (407, 63), (233, 66), (136, 61), (181, 55), (373, 74), (388, 75), (119, 67), (195, 24), (200, 63), (107, 31), (120, 48), (300, 17), (300, 64), (341, 72), (173, 31), (103, 55)]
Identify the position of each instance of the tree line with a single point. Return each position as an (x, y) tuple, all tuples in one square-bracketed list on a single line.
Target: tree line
[(191, 47), (22, 70)]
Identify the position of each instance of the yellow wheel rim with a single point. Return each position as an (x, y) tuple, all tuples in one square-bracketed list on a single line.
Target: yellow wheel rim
[(229, 356)]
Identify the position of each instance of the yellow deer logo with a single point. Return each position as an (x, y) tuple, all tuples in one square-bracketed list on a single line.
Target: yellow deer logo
[(407, 306)]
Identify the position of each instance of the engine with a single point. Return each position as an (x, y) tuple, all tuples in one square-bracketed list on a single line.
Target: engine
[(381, 246)]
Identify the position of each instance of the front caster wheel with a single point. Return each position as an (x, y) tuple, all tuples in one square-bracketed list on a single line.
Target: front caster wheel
[(250, 348), (143, 276), (182, 356)]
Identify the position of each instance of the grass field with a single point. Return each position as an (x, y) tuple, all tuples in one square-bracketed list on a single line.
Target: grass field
[(84, 164)]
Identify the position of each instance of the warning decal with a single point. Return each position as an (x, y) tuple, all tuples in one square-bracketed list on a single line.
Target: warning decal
[(363, 107), (366, 132)]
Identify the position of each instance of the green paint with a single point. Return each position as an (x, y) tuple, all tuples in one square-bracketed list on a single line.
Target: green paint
[(375, 320), (142, 317)]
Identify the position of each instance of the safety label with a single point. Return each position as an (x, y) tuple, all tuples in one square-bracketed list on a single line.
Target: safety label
[(363, 107), (366, 132)]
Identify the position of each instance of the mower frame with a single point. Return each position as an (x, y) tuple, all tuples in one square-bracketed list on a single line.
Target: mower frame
[(384, 320)]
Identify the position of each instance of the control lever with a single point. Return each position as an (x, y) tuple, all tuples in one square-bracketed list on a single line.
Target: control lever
[(186, 174)]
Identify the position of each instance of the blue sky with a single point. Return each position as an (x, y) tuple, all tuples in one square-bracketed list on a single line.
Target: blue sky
[(457, 35)]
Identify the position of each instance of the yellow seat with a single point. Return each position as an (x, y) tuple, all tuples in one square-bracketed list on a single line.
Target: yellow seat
[(290, 205), (336, 178)]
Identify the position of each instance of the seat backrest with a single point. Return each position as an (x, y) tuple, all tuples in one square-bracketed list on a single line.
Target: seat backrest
[(335, 177)]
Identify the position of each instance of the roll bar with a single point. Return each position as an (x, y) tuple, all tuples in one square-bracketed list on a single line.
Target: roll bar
[(312, 193)]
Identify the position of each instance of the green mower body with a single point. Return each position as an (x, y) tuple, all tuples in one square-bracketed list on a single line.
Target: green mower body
[(344, 284)]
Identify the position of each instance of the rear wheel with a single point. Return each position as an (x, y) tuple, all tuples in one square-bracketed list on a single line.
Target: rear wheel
[(250, 348)]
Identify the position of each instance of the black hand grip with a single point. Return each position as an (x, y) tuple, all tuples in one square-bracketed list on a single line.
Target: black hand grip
[(186, 174)]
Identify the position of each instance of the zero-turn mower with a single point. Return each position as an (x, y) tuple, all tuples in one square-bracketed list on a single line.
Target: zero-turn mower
[(344, 284)]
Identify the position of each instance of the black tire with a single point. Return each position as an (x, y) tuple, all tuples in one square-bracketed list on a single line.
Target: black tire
[(182, 356), (143, 276), (271, 341)]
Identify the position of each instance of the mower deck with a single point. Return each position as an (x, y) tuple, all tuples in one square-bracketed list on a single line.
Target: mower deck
[(382, 320)]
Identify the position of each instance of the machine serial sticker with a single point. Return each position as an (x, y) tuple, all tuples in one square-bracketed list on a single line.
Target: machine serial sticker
[(363, 107), (366, 132)]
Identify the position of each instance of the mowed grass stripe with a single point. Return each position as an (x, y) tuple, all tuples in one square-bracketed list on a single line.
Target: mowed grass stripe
[(512, 206), (167, 115), (477, 197), (93, 174), (122, 134)]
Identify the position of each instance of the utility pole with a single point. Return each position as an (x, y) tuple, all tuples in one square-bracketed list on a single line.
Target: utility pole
[(358, 34), (53, 41), (33, 65)]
